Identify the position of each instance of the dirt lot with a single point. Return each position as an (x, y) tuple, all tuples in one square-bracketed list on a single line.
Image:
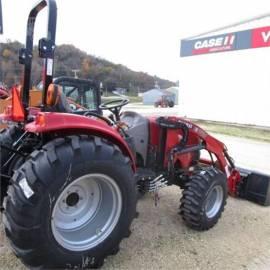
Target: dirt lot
[(160, 240)]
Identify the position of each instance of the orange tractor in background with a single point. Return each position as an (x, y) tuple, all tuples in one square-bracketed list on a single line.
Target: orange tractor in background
[(6, 100), (164, 102)]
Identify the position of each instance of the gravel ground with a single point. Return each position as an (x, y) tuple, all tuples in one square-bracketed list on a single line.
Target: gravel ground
[(160, 239)]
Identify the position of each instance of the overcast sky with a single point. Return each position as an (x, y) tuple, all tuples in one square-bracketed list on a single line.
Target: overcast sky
[(141, 34)]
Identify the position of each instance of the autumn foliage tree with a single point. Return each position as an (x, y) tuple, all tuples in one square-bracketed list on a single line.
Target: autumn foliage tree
[(68, 58)]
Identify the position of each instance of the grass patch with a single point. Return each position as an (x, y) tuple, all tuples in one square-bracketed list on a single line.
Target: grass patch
[(132, 99), (249, 132)]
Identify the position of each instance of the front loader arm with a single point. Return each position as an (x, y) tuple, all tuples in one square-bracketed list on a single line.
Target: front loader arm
[(247, 184), (225, 163), (214, 147)]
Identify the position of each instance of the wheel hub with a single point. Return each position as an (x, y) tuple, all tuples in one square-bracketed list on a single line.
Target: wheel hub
[(214, 201), (72, 199), (86, 212)]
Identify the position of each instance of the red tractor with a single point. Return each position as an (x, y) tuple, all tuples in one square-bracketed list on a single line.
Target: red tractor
[(164, 102), (73, 177)]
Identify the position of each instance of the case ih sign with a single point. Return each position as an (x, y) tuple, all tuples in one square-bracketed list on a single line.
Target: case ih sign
[(253, 38)]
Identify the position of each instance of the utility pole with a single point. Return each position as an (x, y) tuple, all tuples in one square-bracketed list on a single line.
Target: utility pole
[(75, 72)]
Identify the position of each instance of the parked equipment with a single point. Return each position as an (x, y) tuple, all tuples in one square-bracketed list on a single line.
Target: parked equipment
[(164, 102), (73, 178)]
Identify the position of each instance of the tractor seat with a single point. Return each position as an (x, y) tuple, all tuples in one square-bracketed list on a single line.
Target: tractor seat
[(56, 100)]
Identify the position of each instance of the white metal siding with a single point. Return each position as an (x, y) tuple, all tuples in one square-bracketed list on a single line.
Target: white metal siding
[(230, 86)]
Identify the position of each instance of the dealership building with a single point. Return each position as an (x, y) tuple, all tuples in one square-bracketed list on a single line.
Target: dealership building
[(225, 74)]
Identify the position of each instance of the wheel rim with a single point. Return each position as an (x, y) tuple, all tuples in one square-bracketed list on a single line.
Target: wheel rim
[(214, 201), (86, 212)]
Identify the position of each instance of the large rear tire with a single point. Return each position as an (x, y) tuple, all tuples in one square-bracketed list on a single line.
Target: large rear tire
[(70, 204), (204, 199)]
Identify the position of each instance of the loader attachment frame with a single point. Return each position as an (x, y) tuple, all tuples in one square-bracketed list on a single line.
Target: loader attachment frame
[(254, 186)]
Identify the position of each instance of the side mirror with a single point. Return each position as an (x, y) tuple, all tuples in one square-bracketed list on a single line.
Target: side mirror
[(1, 19)]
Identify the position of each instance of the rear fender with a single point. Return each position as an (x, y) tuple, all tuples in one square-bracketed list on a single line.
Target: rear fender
[(64, 123)]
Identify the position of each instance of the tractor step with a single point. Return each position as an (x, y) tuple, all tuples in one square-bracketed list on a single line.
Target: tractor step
[(147, 181), (255, 187)]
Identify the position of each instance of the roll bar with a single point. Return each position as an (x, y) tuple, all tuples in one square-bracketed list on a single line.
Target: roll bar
[(46, 48)]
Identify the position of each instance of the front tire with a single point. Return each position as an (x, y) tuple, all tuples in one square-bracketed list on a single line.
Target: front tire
[(204, 199), (81, 201)]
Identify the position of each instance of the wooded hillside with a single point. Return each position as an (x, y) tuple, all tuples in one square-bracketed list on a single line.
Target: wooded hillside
[(68, 58)]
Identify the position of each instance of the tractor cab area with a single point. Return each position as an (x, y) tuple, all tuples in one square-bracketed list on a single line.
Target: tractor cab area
[(81, 95)]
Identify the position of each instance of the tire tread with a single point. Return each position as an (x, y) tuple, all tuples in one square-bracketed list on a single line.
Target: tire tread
[(194, 194), (17, 224)]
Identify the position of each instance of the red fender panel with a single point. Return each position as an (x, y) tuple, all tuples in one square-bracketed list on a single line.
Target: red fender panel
[(47, 122)]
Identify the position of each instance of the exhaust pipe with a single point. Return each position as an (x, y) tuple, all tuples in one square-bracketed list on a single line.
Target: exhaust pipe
[(254, 186)]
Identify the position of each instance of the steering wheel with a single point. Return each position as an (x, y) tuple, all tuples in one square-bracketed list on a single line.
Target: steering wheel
[(107, 120), (114, 106)]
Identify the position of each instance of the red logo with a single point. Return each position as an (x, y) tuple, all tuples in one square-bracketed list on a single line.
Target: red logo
[(214, 44)]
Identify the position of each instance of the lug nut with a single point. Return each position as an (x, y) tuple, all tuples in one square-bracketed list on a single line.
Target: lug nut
[(98, 231)]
